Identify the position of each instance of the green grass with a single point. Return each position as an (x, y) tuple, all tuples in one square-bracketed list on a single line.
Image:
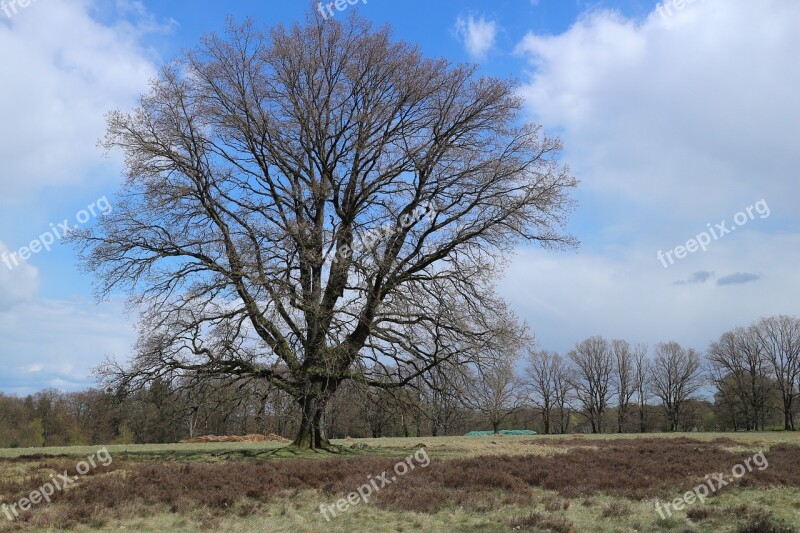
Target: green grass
[(444, 447), (301, 514)]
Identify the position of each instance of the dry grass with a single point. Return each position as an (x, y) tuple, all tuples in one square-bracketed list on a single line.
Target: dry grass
[(632, 469), (454, 447)]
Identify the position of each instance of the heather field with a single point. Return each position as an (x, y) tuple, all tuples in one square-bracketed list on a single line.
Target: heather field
[(561, 484), (563, 234)]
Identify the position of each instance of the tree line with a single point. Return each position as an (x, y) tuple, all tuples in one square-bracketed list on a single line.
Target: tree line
[(747, 380), (750, 377)]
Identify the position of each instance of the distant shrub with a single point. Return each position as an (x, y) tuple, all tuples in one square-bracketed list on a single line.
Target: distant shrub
[(698, 514), (615, 509), (763, 522), (540, 522), (556, 504)]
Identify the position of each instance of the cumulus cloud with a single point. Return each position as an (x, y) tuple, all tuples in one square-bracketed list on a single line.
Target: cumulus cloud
[(63, 68), (55, 343), (670, 123), (67, 69), (693, 113), (477, 34)]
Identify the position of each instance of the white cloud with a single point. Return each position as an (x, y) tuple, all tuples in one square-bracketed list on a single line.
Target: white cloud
[(477, 34), (62, 70), (66, 70), (568, 297), (45, 342), (697, 111), (670, 123)]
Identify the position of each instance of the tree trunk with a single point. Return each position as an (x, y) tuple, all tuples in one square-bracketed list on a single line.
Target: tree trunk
[(311, 435), (673, 421)]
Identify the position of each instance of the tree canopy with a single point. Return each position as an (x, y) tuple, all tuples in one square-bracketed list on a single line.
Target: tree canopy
[(319, 203)]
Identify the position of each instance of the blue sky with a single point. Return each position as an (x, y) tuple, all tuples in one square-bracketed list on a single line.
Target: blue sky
[(673, 119)]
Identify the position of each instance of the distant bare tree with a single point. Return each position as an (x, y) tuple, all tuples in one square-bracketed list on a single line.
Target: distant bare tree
[(676, 376), (314, 204), (624, 379), (442, 392), (641, 382), (740, 369), (375, 408), (564, 395), (545, 382), (593, 360), (495, 390), (779, 339)]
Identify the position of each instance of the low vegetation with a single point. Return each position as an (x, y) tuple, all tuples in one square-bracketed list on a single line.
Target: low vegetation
[(544, 484)]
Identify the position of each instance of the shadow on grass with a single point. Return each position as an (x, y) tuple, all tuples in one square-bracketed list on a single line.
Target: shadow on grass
[(291, 452), (212, 456)]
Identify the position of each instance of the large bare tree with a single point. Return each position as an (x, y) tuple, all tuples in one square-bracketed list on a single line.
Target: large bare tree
[(317, 204)]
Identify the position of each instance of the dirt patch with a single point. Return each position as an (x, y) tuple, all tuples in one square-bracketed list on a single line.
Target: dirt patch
[(272, 437)]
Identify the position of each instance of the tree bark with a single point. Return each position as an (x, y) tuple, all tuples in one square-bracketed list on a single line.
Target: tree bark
[(311, 435)]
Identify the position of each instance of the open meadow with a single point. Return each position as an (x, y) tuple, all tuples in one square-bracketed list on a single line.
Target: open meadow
[(560, 238), (542, 483)]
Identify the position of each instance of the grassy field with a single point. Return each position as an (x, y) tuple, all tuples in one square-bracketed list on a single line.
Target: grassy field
[(545, 483)]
